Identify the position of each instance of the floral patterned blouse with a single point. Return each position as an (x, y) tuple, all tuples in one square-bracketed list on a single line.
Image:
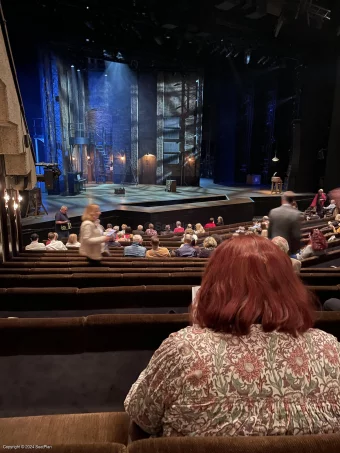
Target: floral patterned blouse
[(203, 383)]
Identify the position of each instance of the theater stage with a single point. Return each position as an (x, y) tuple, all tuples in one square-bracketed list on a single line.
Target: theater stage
[(151, 203)]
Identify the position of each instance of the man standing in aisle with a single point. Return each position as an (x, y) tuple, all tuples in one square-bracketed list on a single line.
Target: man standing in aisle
[(62, 223), (285, 221)]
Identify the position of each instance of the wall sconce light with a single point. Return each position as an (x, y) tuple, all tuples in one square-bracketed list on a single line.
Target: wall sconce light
[(88, 157), (19, 198), (15, 206), (275, 158)]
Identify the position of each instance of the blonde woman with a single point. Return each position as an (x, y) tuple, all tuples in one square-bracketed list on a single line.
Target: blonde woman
[(91, 237), (209, 245), (72, 242), (199, 228)]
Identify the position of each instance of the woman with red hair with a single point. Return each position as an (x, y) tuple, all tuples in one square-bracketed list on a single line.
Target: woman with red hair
[(251, 363)]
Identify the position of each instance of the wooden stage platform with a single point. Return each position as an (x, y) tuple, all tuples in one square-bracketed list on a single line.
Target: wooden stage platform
[(148, 203)]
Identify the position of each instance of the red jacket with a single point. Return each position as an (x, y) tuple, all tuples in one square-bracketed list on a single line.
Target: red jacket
[(209, 225), (179, 230)]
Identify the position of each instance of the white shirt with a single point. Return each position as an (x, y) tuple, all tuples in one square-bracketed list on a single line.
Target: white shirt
[(91, 240), (56, 245), (35, 245), (76, 245)]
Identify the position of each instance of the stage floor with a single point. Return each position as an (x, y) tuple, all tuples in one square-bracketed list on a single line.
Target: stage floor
[(103, 195)]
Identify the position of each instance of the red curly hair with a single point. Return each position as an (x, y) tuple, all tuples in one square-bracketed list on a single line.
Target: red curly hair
[(248, 280)]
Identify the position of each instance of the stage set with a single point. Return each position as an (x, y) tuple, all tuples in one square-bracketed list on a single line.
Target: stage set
[(108, 128)]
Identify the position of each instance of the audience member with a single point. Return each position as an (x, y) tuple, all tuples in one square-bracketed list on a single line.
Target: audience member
[(330, 208), (139, 230), (209, 245), (251, 357), (199, 229), (54, 244), (189, 226), (136, 249), (285, 222), (210, 224), (186, 250), (179, 228), (167, 230), (220, 221), (151, 230), (157, 251), (317, 245), (123, 228), (128, 233), (72, 242), (120, 237), (109, 228), (264, 230), (265, 219), (35, 244), (62, 223), (332, 304), (335, 226), (283, 245), (217, 238), (91, 237)]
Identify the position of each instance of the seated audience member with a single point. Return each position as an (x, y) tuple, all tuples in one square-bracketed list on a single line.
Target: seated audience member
[(199, 228), (54, 243), (251, 364), (220, 221), (209, 245), (335, 226), (35, 244), (167, 230), (109, 228), (210, 224), (128, 233), (151, 230), (186, 250), (265, 219), (330, 208), (157, 251), (241, 230), (217, 238), (332, 304), (136, 249), (72, 242), (120, 237), (179, 228), (116, 228), (189, 231), (98, 224), (189, 226), (284, 246), (139, 230), (317, 246), (264, 230), (123, 228), (295, 205)]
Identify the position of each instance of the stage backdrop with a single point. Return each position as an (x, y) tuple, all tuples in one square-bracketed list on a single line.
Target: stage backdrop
[(102, 119)]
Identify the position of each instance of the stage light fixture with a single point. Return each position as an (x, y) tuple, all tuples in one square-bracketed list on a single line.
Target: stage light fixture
[(87, 40), (78, 70), (275, 158), (168, 37), (72, 65), (87, 7), (105, 75)]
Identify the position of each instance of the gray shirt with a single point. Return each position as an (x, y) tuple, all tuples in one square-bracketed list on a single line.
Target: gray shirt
[(135, 250)]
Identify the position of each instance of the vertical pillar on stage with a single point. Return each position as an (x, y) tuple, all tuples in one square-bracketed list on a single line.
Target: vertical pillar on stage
[(134, 126), (332, 179), (160, 127)]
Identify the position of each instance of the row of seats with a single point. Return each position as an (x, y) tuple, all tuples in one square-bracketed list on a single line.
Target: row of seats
[(31, 300), (109, 433)]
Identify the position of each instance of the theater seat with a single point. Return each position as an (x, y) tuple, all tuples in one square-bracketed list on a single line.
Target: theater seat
[(327, 443), (65, 429)]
